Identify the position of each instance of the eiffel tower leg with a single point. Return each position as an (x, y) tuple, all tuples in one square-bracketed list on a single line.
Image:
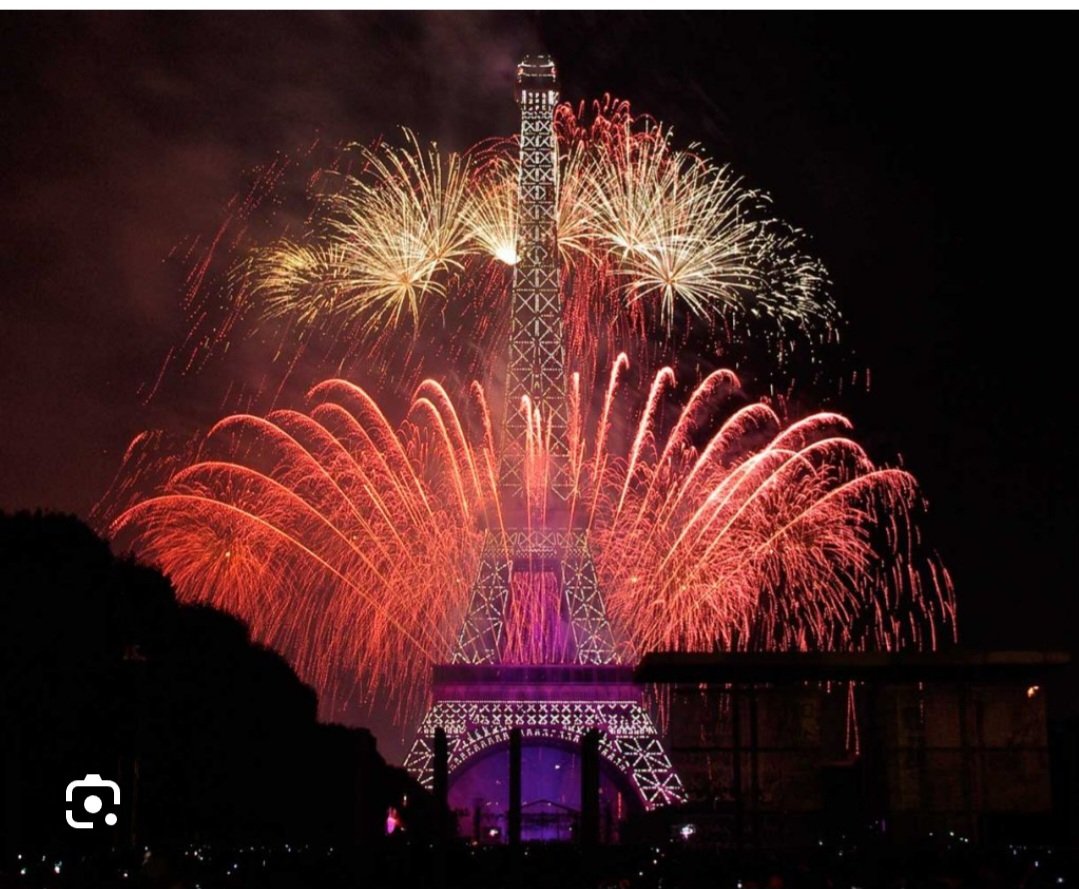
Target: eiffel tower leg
[(592, 634), (481, 636)]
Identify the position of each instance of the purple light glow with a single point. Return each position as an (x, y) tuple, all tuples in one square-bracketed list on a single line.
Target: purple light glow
[(550, 795)]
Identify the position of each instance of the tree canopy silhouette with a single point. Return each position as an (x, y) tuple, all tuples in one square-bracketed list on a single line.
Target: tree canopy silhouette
[(211, 737)]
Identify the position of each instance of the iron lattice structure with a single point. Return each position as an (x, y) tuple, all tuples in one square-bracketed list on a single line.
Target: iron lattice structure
[(480, 641), (536, 371), (628, 738), (536, 379)]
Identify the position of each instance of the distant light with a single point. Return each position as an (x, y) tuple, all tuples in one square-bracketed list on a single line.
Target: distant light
[(1033, 690), (687, 830)]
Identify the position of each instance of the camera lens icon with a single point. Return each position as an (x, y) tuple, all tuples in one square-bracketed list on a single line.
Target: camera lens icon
[(91, 802)]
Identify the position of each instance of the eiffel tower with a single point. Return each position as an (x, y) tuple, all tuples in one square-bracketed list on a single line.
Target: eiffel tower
[(536, 651)]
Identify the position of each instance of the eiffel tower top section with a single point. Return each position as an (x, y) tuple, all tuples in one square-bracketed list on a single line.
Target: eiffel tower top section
[(535, 377), (537, 75)]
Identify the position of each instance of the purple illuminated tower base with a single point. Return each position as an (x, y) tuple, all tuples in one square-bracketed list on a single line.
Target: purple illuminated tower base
[(553, 705)]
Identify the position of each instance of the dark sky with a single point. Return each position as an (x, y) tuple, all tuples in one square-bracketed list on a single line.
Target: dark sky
[(929, 156)]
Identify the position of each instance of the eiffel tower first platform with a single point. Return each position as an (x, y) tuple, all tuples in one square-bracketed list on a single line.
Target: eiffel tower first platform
[(536, 652)]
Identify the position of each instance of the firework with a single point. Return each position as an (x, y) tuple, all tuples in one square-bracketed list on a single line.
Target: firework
[(393, 262), (663, 227), (351, 543), (493, 216), (383, 243)]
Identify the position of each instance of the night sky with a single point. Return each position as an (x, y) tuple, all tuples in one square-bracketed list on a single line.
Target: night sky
[(929, 156)]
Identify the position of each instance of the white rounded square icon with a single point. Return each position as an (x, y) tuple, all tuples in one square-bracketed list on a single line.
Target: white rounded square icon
[(92, 802)]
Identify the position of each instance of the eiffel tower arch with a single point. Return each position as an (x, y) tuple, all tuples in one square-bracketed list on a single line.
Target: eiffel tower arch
[(536, 651)]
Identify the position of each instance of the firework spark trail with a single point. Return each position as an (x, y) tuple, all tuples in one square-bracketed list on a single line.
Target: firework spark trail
[(397, 264), (315, 533), (652, 237), (721, 527), (383, 239)]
